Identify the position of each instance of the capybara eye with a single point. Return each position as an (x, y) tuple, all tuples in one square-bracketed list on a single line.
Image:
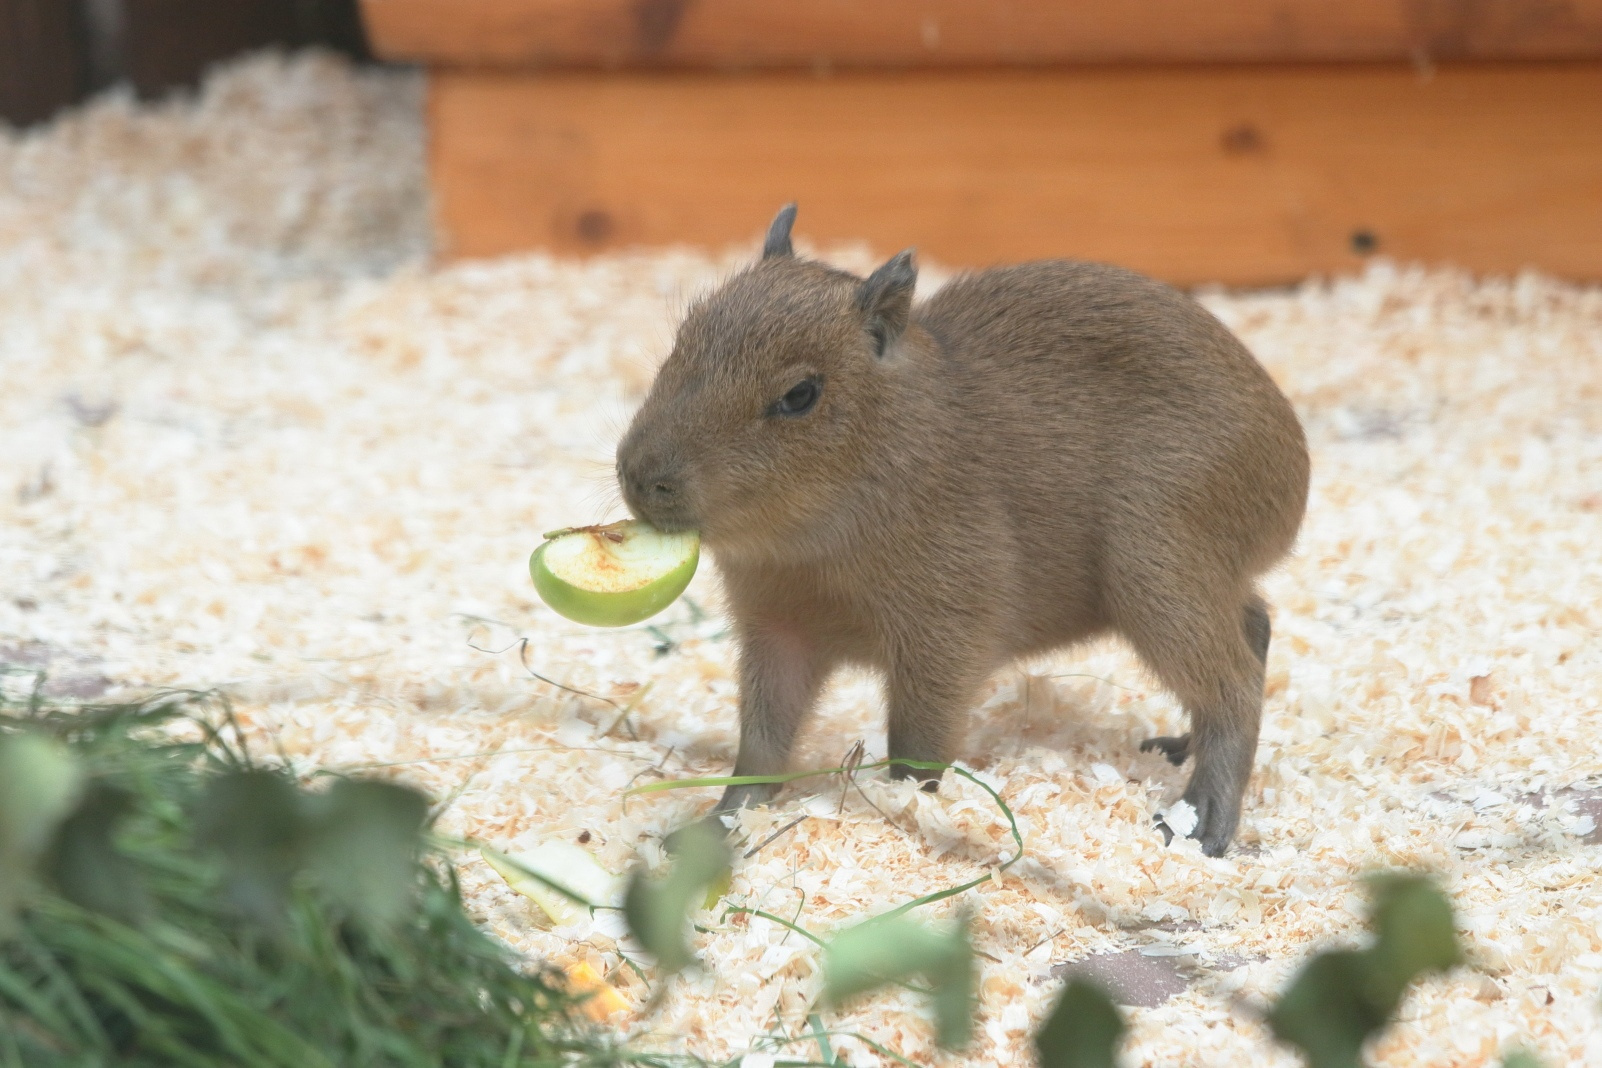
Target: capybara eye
[(800, 400)]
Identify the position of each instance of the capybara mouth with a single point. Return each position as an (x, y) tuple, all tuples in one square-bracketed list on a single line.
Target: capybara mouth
[(669, 520)]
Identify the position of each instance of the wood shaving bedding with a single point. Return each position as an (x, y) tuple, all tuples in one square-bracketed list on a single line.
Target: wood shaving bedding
[(248, 438)]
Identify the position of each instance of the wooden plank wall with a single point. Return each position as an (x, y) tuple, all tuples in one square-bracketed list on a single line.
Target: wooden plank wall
[(1244, 175), (739, 34)]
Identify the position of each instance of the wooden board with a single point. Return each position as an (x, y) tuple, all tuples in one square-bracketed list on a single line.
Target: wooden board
[(1239, 175), (762, 33)]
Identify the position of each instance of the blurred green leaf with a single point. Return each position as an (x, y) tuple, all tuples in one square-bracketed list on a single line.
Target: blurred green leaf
[(39, 782), (956, 990), (877, 952), (254, 821), (1342, 998), (359, 840), (1522, 1058), (658, 910), (1413, 921), (718, 889), (365, 845), (1083, 1029), (1326, 1012), (891, 949), (84, 863)]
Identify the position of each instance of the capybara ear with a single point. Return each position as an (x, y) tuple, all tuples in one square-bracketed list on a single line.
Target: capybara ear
[(777, 243), (886, 299)]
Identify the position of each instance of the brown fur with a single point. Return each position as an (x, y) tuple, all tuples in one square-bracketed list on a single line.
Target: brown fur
[(1040, 453)]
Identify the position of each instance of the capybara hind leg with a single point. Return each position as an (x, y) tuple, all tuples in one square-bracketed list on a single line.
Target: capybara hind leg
[(1258, 629), (1203, 654), (1224, 752), (1254, 620)]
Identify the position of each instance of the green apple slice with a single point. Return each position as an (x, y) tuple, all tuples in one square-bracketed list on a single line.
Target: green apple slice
[(564, 864), (614, 575)]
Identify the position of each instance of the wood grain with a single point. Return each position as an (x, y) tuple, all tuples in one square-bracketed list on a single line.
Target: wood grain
[(1243, 175), (874, 33)]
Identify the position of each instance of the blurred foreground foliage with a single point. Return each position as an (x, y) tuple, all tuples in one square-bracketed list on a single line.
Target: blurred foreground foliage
[(1342, 998), (166, 901), (1337, 1004)]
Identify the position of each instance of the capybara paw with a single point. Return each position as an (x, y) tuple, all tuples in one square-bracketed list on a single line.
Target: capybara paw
[(1208, 821), (746, 795), (1215, 822)]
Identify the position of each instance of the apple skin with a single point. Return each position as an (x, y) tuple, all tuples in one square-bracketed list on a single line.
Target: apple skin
[(595, 608)]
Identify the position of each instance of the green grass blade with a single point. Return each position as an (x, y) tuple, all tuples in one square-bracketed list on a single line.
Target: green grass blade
[(821, 1036), (780, 920), (728, 780)]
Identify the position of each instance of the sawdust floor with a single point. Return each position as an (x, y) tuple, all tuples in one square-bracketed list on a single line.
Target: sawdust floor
[(248, 439)]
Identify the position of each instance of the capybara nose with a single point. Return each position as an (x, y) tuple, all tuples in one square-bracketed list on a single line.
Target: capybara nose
[(659, 488), (648, 485)]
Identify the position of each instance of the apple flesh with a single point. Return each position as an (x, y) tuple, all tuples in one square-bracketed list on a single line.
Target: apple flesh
[(615, 575)]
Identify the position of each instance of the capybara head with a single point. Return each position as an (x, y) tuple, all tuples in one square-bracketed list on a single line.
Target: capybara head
[(764, 415)]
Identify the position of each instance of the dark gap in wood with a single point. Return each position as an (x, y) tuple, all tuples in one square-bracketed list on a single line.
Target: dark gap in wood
[(53, 53)]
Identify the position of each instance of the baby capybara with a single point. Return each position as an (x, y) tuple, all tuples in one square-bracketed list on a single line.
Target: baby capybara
[(1034, 455)]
